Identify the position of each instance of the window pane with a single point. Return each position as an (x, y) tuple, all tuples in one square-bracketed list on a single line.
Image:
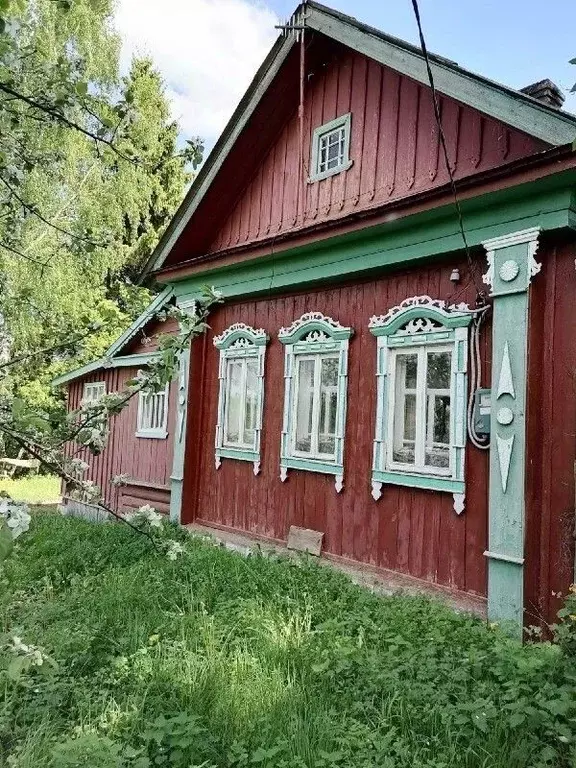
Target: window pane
[(233, 400), (405, 409), (331, 150), (437, 452), (304, 406), (438, 374), (251, 402), (328, 405)]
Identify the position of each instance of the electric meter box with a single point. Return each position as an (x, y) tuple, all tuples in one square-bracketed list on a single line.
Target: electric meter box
[(481, 413)]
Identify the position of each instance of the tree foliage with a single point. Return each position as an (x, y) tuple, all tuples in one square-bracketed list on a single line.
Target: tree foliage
[(90, 173)]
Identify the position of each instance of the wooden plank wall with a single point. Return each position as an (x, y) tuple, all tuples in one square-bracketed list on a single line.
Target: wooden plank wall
[(394, 147), (147, 460), (412, 531), (551, 431)]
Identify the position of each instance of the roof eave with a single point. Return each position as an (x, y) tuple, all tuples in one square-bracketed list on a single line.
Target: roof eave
[(211, 166)]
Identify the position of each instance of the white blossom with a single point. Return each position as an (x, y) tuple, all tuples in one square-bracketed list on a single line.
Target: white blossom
[(78, 466), (174, 550), (121, 479), (17, 517), (145, 514), (32, 652)]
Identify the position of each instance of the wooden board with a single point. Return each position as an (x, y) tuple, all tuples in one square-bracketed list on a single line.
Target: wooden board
[(305, 540)]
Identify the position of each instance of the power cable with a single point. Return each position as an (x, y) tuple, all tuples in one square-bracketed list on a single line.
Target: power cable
[(480, 293)]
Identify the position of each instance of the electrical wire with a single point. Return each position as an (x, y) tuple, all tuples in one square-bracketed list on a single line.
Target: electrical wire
[(480, 293), (475, 379)]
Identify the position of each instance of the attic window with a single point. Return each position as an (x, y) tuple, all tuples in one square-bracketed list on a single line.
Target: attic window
[(331, 148)]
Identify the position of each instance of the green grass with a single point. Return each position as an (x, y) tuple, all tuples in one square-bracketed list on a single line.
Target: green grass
[(34, 489), (219, 661)]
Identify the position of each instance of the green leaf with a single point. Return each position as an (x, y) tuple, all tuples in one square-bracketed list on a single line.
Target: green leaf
[(17, 665), (2, 25), (82, 88), (572, 61), (6, 541), (4, 5)]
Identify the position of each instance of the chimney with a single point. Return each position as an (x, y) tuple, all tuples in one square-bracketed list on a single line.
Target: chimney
[(545, 91)]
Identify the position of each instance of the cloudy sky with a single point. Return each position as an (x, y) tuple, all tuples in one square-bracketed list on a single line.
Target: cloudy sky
[(208, 50)]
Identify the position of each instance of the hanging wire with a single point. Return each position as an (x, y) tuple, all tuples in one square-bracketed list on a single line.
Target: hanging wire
[(480, 293)]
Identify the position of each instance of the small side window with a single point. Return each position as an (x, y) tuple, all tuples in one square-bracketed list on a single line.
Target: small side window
[(153, 414), (331, 148), (93, 390)]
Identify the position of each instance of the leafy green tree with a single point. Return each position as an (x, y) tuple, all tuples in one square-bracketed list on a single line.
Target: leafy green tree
[(90, 173)]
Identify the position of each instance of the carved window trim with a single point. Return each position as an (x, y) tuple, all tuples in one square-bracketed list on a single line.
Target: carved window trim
[(419, 322), (240, 342), (313, 335)]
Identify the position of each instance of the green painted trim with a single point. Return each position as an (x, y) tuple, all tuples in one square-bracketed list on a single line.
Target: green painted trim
[(153, 308), (428, 482), (312, 466), (498, 101), (447, 319), (179, 443), (510, 291), (410, 240), (307, 324), (133, 361), (126, 361), (237, 453), (257, 337)]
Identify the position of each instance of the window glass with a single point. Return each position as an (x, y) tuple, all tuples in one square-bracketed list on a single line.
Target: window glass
[(241, 403), (93, 391), (251, 401), (317, 405), (332, 148), (405, 410), (233, 400), (328, 405), (153, 413), (438, 409), (304, 405)]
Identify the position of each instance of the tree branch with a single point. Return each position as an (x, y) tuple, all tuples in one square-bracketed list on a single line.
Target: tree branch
[(56, 115), (34, 212)]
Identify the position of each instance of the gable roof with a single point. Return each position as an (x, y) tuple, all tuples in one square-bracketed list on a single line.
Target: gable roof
[(512, 107), (111, 358)]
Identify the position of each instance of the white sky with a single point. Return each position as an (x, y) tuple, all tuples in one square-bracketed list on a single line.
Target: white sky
[(207, 58)]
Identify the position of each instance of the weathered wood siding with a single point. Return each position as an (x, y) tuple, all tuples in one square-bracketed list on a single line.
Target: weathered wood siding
[(551, 431), (411, 531), (147, 461), (394, 147)]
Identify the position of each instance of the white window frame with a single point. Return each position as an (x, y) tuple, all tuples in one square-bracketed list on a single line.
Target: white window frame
[(313, 336), (342, 123), (420, 325), (93, 391), (240, 343), (160, 431), (422, 411), (316, 409)]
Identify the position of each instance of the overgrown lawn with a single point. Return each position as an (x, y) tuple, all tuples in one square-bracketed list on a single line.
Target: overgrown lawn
[(216, 660), (33, 489)]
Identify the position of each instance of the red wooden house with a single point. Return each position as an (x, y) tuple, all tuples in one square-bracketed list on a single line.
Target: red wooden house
[(388, 368)]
